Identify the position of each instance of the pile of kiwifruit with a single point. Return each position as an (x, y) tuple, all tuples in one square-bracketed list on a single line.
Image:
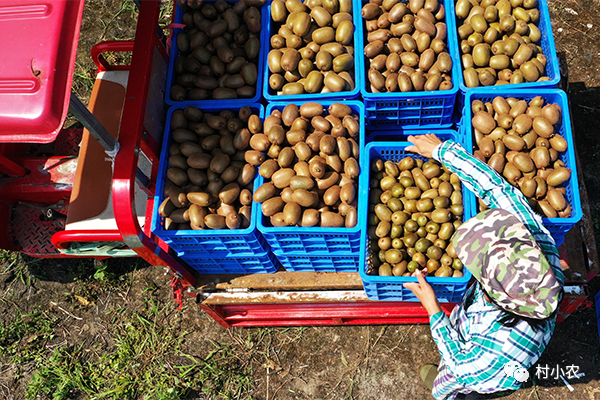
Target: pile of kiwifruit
[(218, 51), (406, 48), (519, 140), (499, 42), (312, 47), (211, 170), (414, 209), (311, 166)]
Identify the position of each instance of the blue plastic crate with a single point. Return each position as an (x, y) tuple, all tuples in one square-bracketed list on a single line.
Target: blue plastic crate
[(414, 109), (264, 37), (558, 227), (271, 95), (390, 288), (338, 241), (546, 43), (255, 264), (318, 262), (205, 243)]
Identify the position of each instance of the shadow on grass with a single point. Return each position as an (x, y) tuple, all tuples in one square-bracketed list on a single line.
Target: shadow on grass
[(68, 270)]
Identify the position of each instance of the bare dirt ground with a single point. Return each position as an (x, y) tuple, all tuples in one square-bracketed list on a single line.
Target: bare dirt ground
[(75, 329)]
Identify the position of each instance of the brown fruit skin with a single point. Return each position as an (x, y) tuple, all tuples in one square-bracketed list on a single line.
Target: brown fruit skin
[(331, 219), (233, 220), (483, 122), (214, 221), (292, 213), (272, 206), (310, 217)]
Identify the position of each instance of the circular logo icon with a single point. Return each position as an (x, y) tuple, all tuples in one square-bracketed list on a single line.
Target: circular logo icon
[(510, 367), (516, 370), (521, 374)]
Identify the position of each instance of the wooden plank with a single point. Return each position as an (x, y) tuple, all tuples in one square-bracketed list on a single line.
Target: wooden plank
[(284, 280), (284, 297)]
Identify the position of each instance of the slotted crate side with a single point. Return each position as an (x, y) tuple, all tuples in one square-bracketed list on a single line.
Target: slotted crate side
[(558, 227), (318, 262), (401, 135), (259, 263)]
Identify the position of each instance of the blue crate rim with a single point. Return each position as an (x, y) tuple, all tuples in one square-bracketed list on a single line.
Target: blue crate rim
[(456, 136), (270, 230), (382, 280), (212, 102), (548, 38), (157, 228), (577, 212), (349, 95), (452, 46)]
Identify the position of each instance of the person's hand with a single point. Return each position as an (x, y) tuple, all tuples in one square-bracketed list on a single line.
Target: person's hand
[(424, 293), (423, 144)]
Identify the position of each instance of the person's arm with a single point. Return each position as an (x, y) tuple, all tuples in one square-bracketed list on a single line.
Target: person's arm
[(488, 185), (474, 363), (457, 354), (477, 176)]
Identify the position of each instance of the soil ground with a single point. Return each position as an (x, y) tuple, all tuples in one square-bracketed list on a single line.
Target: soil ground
[(78, 329)]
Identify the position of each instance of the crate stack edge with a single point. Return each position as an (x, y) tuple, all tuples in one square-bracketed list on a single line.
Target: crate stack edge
[(320, 249), (558, 227), (222, 251)]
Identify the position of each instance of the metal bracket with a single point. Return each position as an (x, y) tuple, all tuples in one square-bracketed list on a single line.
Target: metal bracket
[(177, 291), (97, 130)]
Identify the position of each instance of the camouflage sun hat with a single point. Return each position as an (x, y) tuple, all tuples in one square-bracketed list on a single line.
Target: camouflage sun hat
[(504, 257)]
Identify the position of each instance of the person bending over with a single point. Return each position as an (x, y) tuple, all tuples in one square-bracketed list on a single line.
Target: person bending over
[(507, 316)]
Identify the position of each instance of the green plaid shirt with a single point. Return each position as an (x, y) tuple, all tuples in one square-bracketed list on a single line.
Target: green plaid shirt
[(474, 346)]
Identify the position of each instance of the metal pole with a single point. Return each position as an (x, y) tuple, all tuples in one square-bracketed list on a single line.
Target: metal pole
[(97, 130)]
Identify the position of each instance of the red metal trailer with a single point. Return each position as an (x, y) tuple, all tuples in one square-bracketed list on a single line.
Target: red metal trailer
[(89, 193)]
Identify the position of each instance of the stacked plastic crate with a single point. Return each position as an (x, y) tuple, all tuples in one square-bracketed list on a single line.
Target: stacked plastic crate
[(220, 250), (392, 114), (535, 19), (315, 248)]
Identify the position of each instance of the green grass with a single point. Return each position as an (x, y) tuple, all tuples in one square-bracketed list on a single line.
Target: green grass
[(16, 267), (22, 337), (146, 362)]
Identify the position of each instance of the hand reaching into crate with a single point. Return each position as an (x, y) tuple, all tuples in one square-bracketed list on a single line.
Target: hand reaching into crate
[(423, 144), (424, 293)]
